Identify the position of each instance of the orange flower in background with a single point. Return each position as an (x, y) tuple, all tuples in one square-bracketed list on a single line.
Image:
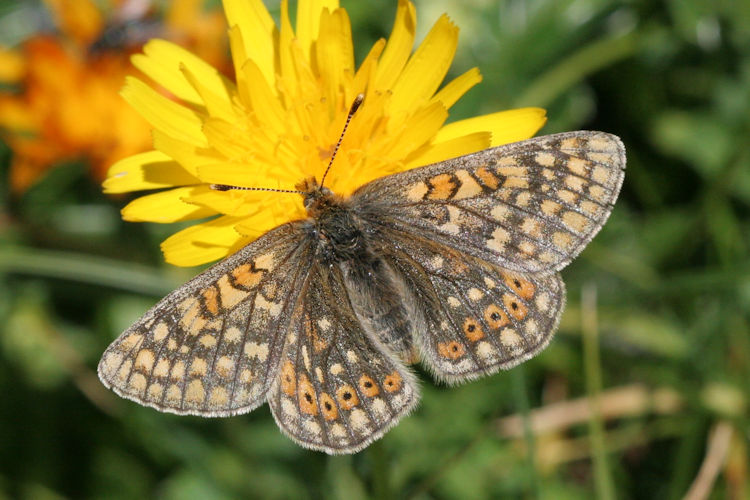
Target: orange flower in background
[(63, 101)]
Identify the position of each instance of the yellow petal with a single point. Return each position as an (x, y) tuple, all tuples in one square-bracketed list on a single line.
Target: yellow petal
[(250, 174), (227, 138), (308, 21), (163, 114), (453, 148), (277, 209), (184, 153), (151, 170), (418, 130), (262, 100), (334, 53), (287, 72), (218, 105), (239, 59), (162, 62), (259, 33), (506, 126), (365, 71), (398, 48), (426, 69), (167, 76), (166, 206), (231, 202), (306, 84), (204, 242), (452, 92)]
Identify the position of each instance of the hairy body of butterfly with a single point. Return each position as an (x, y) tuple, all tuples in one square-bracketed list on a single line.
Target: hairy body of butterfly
[(345, 236), (453, 264)]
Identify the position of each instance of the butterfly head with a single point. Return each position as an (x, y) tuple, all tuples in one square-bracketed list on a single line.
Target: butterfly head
[(317, 198)]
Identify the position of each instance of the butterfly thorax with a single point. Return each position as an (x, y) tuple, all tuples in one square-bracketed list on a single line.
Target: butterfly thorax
[(344, 240), (333, 224)]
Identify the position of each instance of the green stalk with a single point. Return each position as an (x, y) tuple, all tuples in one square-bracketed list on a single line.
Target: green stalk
[(83, 268), (518, 374), (576, 67), (592, 371)]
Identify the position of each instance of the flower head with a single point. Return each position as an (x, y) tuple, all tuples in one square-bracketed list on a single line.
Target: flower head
[(278, 123), (67, 106)]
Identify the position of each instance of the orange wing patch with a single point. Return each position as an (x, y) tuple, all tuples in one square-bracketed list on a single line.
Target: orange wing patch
[(524, 288), (443, 186), (487, 178), (211, 300), (451, 350), (247, 277)]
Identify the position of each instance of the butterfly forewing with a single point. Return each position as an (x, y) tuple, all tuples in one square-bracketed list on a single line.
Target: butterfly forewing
[(211, 347), (338, 389), (530, 206)]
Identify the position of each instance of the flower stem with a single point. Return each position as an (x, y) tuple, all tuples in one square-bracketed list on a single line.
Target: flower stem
[(593, 374), (575, 68), (518, 374), (83, 268)]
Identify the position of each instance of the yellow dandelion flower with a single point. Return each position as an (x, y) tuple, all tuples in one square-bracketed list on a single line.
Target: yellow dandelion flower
[(278, 123)]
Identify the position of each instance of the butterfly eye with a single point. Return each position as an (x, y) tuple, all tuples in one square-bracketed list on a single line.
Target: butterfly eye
[(522, 287), (307, 402)]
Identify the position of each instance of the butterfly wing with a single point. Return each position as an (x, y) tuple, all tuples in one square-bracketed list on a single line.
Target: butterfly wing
[(528, 207), (473, 318), (478, 241), (338, 389), (210, 348)]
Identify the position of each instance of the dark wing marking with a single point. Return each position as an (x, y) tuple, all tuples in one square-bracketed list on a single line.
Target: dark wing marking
[(338, 389), (212, 346), (530, 206), (473, 318)]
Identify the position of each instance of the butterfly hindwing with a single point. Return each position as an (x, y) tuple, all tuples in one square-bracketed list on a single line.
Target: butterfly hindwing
[(338, 389), (211, 347), (475, 318), (529, 206)]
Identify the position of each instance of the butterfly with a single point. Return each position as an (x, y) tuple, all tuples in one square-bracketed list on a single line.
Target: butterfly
[(454, 265)]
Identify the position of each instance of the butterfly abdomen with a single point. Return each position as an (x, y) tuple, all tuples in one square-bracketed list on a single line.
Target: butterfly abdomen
[(375, 296), (345, 240)]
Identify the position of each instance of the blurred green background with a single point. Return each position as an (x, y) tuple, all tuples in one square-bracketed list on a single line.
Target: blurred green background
[(655, 330)]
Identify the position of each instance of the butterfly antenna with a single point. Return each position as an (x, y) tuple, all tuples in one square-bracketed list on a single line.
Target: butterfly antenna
[(227, 187), (355, 106)]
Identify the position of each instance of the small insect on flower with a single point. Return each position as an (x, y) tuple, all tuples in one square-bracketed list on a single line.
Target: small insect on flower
[(377, 262)]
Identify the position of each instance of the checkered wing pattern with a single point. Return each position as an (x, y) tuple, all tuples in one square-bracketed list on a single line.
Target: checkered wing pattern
[(475, 318), (212, 347), (338, 388), (527, 207)]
